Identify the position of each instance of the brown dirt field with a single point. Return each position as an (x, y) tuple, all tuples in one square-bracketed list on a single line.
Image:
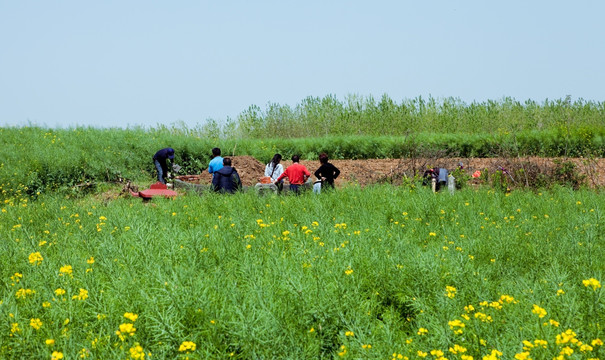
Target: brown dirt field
[(248, 168), (365, 172)]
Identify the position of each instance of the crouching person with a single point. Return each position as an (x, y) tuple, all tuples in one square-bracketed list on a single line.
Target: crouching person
[(226, 180)]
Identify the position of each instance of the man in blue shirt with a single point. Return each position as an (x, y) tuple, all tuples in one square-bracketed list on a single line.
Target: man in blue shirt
[(217, 161)]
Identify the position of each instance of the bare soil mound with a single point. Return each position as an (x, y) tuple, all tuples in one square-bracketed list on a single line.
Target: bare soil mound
[(365, 172), (248, 168)]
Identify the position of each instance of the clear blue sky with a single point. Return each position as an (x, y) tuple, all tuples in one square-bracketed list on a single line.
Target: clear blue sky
[(119, 62)]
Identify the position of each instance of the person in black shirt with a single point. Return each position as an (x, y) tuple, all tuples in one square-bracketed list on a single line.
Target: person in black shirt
[(326, 172)]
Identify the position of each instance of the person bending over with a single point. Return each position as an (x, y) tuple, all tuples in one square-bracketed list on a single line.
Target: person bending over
[(159, 159)]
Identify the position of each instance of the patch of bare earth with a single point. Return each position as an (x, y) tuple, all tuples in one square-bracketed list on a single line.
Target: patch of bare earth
[(372, 171), (248, 168)]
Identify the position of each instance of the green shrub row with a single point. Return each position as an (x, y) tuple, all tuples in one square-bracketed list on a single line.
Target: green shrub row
[(356, 115)]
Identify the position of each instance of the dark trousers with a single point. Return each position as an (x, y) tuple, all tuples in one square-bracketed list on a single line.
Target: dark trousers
[(294, 188)]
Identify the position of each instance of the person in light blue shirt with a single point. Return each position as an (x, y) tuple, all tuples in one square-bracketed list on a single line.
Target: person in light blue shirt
[(217, 161)]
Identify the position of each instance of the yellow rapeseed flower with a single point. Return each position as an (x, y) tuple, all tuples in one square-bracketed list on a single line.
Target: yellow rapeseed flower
[(566, 351), (66, 269), (136, 352), (494, 355), (483, 317), (506, 299), (56, 355), (130, 316), (17, 277), (456, 326), (23, 293), (450, 292), (125, 329), (566, 337), (187, 346), (50, 342), (542, 343), (539, 311), (457, 349), (83, 295), (35, 258), (437, 353), (84, 353), (422, 331), (349, 333), (592, 282), (35, 323), (496, 305)]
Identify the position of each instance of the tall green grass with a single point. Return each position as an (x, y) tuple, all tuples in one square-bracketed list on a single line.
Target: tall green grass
[(381, 272), (356, 115)]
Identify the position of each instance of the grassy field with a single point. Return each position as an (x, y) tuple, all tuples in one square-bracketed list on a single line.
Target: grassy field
[(389, 272), (381, 272)]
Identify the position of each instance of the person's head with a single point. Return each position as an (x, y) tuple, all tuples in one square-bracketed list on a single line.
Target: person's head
[(323, 158), (276, 159), (226, 161), (170, 153), (216, 152), (295, 158)]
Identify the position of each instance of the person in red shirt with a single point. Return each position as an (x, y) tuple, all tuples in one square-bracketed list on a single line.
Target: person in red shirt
[(296, 173)]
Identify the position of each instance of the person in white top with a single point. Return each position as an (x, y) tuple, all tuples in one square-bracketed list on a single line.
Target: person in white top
[(274, 169)]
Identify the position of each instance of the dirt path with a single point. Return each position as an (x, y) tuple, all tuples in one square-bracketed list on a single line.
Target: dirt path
[(365, 172)]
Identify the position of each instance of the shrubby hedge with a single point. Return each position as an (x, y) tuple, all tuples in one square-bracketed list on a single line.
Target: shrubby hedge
[(356, 115)]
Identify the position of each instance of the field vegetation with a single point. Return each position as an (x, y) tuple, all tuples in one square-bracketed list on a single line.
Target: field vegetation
[(42, 159), (328, 116), (381, 272)]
